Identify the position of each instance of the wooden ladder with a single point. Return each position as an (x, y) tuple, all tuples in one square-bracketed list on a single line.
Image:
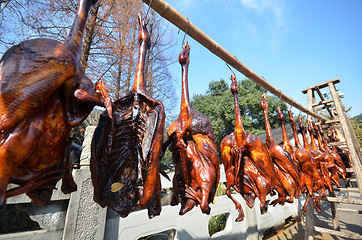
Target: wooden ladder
[(338, 116)]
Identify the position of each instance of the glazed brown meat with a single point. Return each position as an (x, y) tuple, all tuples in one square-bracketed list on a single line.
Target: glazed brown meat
[(43, 93), (322, 164), (126, 149), (287, 176), (332, 134), (312, 128), (248, 165), (340, 167), (194, 151), (287, 145), (310, 177)]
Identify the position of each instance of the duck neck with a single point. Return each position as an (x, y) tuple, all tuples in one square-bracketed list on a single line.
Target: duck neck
[(269, 136), (320, 143), (139, 82), (239, 128), (74, 39), (312, 141), (305, 141), (284, 132), (324, 142), (185, 100), (296, 138)]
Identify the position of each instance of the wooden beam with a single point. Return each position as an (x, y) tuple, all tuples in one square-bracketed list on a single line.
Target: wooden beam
[(354, 211), (352, 142), (322, 102), (322, 85), (169, 13), (336, 126), (328, 107), (319, 93), (339, 233), (332, 121), (346, 189), (344, 200), (336, 143)]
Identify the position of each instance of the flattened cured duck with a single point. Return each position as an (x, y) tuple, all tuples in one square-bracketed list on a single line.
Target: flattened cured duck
[(126, 149)]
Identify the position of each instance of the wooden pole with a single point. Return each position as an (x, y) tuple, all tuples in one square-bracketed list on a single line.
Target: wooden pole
[(311, 101), (335, 217), (351, 139), (169, 13), (309, 216), (309, 220)]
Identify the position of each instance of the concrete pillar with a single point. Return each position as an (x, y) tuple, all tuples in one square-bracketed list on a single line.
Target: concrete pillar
[(85, 218)]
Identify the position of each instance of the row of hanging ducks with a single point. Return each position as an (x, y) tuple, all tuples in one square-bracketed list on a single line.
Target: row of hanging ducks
[(127, 148), (255, 169), (44, 92)]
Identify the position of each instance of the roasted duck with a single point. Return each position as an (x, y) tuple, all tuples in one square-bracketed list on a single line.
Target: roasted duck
[(331, 164), (322, 164), (248, 165), (340, 167), (309, 177), (194, 151), (333, 137), (287, 145), (126, 149), (287, 176), (43, 93)]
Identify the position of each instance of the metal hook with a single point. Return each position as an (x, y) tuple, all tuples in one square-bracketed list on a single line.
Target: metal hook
[(230, 68), (280, 97), (149, 6), (187, 26)]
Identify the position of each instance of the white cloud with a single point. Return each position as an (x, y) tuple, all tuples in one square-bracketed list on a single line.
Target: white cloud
[(250, 3), (274, 7), (265, 21)]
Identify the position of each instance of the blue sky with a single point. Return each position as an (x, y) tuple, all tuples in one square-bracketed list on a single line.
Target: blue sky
[(293, 44)]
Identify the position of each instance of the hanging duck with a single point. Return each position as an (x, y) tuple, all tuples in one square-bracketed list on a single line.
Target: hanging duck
[(126, 149), (43, 93), (248, 166), (287, 176), (194, 151)]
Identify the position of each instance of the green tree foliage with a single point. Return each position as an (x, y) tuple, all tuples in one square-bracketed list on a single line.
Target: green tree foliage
[(358, 118), (357, 127), (218, 105)]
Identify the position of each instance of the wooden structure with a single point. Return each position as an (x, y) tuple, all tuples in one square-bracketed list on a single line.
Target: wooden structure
[(337, 114), (339, 119), (177, 19)]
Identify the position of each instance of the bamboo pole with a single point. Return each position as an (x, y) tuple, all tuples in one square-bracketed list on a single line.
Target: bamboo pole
[(177, 19)]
